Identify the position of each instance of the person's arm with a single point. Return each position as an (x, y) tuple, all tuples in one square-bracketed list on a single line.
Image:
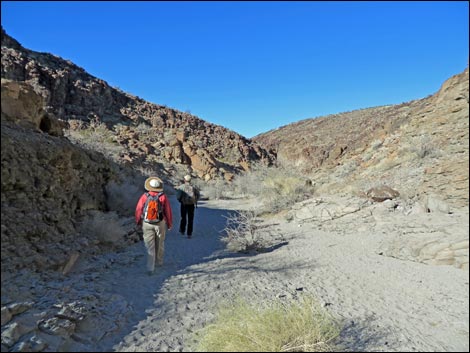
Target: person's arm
[(167, 212), (139, 209)]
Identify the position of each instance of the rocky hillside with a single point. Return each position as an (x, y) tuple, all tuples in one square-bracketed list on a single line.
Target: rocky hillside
[(126, 127), (73, 150), (48, 185), (417, 148)]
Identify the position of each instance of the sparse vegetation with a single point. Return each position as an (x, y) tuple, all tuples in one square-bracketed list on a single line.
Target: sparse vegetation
[(104, 228), (215, 190), (243, 234), (278, 188), (122, 197), (424, 147), (95, 136), (297, 326)]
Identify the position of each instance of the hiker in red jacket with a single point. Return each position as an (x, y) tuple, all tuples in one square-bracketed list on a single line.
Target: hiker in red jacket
[(153, 213)]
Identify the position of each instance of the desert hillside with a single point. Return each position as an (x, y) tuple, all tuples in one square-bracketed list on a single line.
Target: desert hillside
[(128, 128), (417, 148), (87, 141), (49, 185), (369, 217), (70, 143)]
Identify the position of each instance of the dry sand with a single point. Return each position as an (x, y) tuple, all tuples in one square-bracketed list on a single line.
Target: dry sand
[(363, 261), (384, 303)]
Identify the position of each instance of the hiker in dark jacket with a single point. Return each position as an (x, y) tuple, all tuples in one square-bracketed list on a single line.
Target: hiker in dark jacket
[(187, 195), (154, 230)]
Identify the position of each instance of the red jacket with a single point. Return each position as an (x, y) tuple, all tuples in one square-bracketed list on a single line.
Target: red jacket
[(167, 215)]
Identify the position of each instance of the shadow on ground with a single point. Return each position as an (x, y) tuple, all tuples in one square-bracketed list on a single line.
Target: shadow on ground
[(140, 290), (365, 335)]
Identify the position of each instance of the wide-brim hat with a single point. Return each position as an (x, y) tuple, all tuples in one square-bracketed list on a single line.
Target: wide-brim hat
[(154, 184)]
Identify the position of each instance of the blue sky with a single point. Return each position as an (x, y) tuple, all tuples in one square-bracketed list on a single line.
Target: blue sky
[(254, 66)]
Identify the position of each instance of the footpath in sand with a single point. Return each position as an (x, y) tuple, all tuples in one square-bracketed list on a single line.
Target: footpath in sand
[(384, 303)]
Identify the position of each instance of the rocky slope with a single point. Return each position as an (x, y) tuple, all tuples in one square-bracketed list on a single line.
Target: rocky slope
[(48, 186), (57, 187), (131, 129), (55, 193), (418, 148)]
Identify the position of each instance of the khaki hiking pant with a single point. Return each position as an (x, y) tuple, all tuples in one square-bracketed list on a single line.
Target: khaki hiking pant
[(154, 240)]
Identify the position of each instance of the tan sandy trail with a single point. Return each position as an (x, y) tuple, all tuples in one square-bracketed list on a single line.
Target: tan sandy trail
[(384, 304)]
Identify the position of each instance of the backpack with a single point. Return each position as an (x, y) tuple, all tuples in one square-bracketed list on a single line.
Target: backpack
[(188, 195), (153, 209)]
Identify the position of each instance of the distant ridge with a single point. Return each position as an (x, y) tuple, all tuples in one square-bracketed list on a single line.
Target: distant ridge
[(147, 132), (419, 147)]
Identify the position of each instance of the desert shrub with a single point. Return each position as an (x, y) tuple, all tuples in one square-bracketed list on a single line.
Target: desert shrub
[(248, 183), (96, 136), (297, 326), (281, 190), (343, 170), (216, 189), (123, 197), (242, 233), (104, 228), (274, 201), (278, 188), (143, 129), (424, 147)]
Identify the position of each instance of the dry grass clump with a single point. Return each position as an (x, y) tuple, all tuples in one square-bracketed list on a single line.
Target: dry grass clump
[(297, 326), (281, 191), (278, 188)]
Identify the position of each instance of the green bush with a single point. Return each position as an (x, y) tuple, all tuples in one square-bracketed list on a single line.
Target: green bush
[(298, 326)]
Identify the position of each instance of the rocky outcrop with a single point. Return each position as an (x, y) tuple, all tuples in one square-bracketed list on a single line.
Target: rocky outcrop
[(382, 193), (416, 148), (144, 131), (421, 231), (51, 179), (48, 185), (24, 107)]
